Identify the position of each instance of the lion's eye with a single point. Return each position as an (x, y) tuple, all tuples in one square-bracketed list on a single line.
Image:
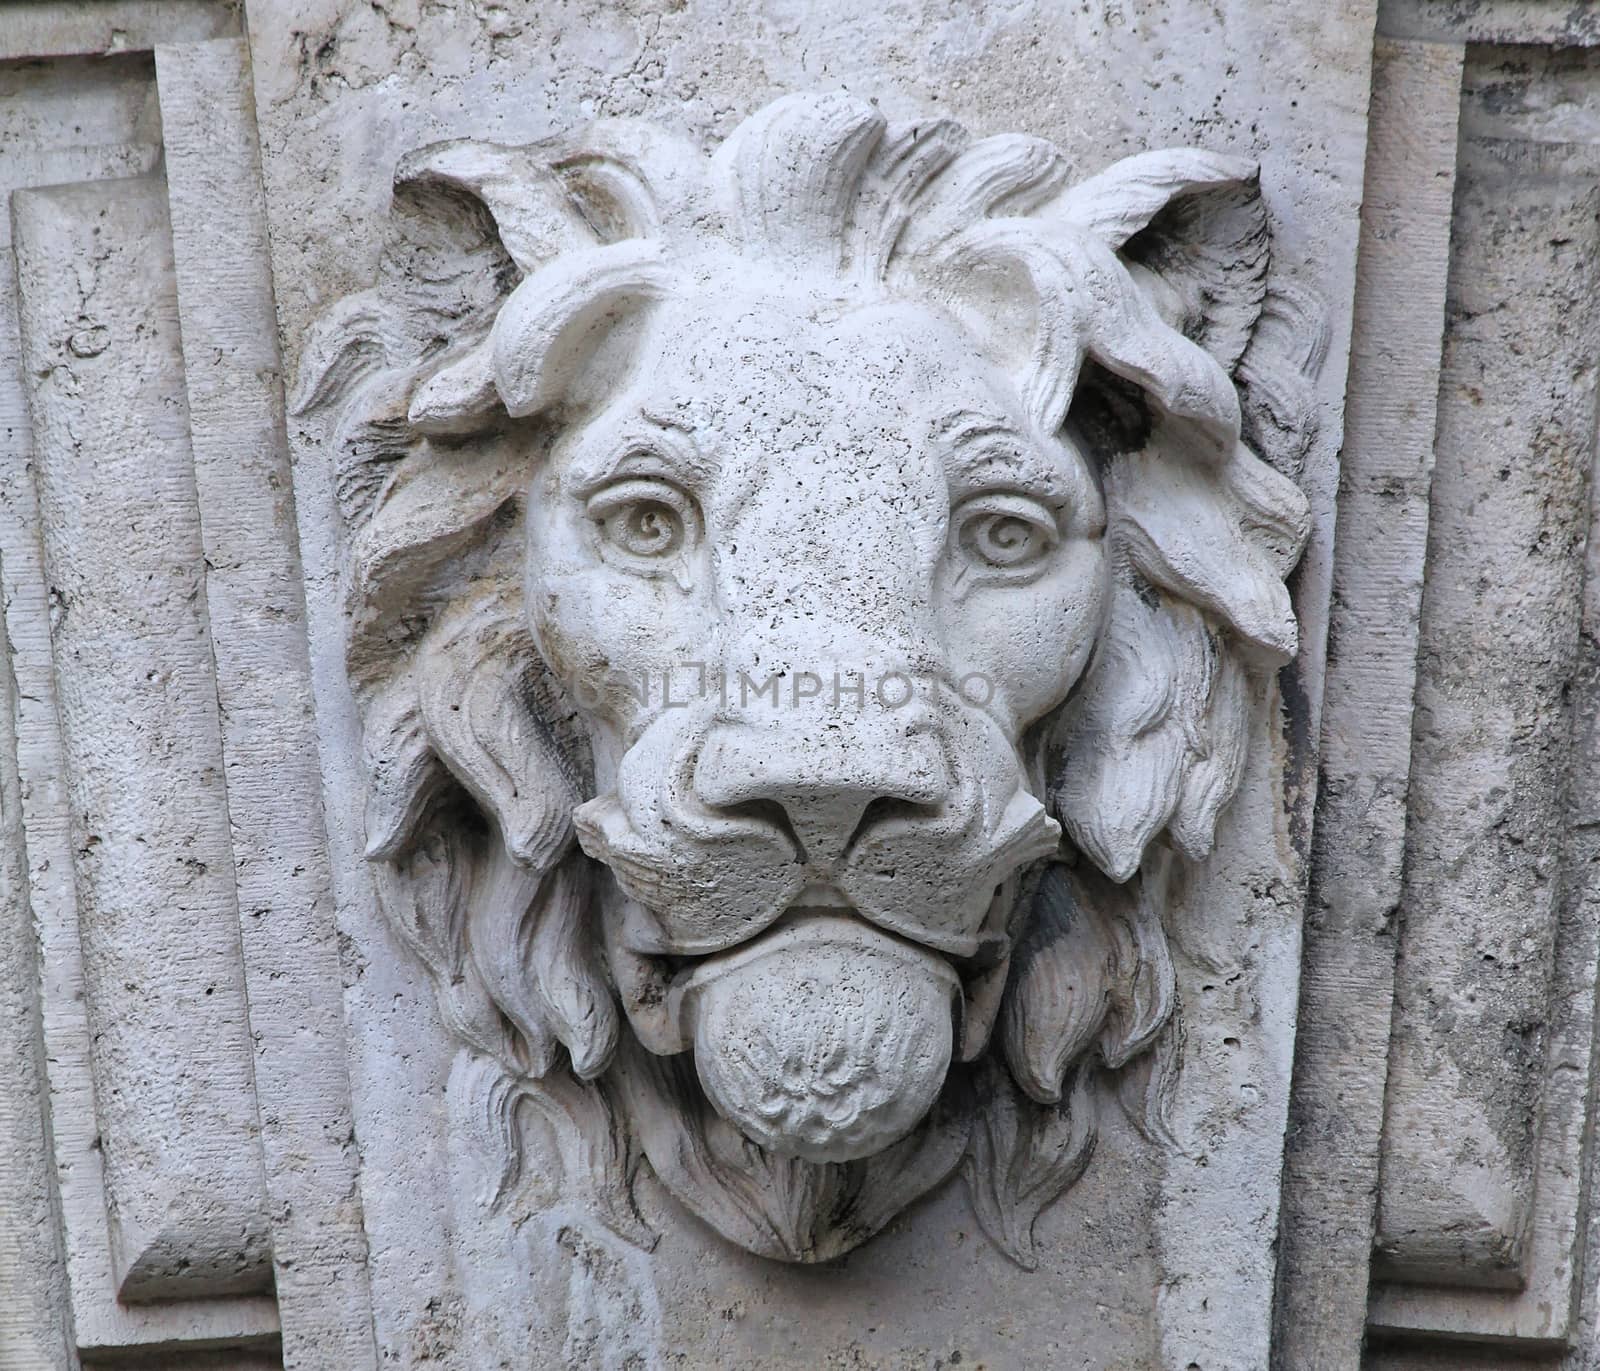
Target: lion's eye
[(1007, 532), (646, 528), (645, 518)]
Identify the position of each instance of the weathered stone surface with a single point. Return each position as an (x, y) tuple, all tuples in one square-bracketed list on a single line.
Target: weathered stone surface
[(1358, 846), (1482, 1226), (34, 1321), (49, 28), (343, 95), (154, 1122), (590, 983), (140, 742), (256, 614), (77, 123), (1498, 640), (1525, 188)]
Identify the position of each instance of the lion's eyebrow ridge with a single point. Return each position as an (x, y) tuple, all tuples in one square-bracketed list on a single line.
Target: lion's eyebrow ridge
[(984, 449), (963, 425), (977, 444), (662, 440)]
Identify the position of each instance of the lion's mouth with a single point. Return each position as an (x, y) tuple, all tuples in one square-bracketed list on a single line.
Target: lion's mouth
[(928, 881), (824, 1036)]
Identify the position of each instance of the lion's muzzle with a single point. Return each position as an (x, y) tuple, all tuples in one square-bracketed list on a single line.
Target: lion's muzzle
[(716, 828)]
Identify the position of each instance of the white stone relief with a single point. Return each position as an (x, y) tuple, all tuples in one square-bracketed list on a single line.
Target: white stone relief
[(802, 602)]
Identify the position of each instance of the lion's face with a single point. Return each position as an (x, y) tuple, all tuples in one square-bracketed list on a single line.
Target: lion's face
[(811, 576)]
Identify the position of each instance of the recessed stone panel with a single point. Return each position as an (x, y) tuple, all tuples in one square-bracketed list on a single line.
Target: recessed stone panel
[(1498, 645), (136, 695)]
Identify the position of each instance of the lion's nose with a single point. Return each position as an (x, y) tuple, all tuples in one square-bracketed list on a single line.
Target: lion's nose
[(823, 779)]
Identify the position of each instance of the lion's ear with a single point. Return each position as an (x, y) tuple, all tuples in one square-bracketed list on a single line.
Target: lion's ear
[(1200, 534), (1048, 297), (533, 210), (1192, 226), (549, 341)]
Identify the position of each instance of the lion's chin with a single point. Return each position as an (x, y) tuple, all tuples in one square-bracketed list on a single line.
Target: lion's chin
[(824, 1039)]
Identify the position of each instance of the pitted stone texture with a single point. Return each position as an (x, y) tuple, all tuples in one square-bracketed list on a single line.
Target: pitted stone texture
[(154, 864), (131, 609), (833, 402), (351, 93)]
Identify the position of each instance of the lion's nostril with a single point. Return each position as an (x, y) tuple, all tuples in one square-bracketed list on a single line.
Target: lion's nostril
[(881, 811), (772, 815)]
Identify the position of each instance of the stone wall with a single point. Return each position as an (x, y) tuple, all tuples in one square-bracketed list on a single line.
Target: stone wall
[(342, 1026)]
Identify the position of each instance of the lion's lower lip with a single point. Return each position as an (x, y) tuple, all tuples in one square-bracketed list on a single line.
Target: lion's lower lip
[(656, 987), (817, 925)]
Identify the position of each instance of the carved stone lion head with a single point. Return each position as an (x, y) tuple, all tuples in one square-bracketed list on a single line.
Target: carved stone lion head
[(799, 599)]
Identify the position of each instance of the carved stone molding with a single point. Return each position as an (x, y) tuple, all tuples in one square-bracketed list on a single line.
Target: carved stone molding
[(188, 1026), (809, 594), (728, 780), (1453, 929)]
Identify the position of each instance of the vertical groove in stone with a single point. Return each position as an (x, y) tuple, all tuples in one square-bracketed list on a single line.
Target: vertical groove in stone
[(1347, 986), (35, 1316), (257, 612), (34, 1319)]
